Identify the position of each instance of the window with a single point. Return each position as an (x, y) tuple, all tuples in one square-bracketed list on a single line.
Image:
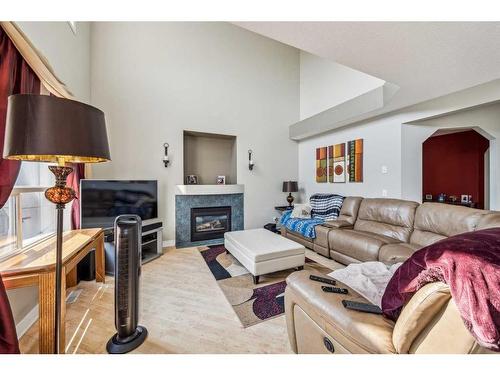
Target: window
[(27, 217)]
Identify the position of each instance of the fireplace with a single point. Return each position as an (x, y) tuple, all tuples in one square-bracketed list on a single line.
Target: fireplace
[(208, 223)]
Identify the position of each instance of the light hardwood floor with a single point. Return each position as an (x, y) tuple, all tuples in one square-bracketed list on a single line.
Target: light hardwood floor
[(182, 307)]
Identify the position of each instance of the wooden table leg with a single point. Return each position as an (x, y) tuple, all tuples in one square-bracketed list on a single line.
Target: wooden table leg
[(46, 301), (99, 259), (72, 278), (46, 324)]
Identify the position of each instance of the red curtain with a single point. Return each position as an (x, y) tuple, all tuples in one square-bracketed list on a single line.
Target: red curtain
[(16, 77), (73, 181)]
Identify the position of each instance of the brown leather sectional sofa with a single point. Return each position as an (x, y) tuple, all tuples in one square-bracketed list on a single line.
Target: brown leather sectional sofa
[(387, 230), (390, 230)]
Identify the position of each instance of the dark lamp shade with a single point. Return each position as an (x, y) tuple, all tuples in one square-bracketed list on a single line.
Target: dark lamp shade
[(290, 187), (50, 129)]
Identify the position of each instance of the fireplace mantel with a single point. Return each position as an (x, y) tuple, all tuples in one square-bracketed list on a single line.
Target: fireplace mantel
[(209, 189)]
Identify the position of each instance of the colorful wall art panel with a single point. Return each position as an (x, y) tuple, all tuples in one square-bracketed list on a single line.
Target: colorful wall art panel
[(330, 163), (321, 164), (355, 163), (337, 162)]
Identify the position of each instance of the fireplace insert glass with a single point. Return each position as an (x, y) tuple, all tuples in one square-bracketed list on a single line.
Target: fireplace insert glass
[(208, 223)]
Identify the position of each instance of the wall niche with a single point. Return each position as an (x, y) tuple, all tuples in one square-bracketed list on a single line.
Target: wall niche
[(208, 155), (455, 162)]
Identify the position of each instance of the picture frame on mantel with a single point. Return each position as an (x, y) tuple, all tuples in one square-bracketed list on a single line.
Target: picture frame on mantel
[(221, 180), (191, 179)]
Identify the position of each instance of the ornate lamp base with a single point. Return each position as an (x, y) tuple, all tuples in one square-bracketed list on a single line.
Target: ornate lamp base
[(60, 195)]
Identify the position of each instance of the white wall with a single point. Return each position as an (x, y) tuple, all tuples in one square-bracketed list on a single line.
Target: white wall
[(69, 56), (154, 80), (382, 142), (395, 140), (325, 84)]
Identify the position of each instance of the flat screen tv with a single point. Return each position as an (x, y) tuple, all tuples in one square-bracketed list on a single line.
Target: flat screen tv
[(101, 201)]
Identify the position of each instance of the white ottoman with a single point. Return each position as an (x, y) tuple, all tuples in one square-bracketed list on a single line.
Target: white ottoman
[(261, 251)]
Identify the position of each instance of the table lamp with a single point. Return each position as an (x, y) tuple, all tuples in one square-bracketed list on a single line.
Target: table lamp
[(44, 128), (290, 187)]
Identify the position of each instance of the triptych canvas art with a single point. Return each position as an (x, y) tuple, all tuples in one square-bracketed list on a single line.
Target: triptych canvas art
[(338, 164), (321, 172)]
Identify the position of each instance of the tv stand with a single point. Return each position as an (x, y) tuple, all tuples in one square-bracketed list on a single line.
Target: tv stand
[(152, 244)]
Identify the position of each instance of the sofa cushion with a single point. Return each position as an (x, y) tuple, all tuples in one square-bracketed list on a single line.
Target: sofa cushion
[(436, 221), (397, 252), (358, 244), (356, 331), (389, 217), (349, 210), (342, 258)]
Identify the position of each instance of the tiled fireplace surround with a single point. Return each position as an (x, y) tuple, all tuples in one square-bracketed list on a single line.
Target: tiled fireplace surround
[(208, 196)]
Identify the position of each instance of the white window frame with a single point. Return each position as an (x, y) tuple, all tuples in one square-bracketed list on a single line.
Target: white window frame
[(16, 193)]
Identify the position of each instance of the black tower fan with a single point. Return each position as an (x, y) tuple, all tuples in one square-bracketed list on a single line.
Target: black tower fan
[(127, 274)]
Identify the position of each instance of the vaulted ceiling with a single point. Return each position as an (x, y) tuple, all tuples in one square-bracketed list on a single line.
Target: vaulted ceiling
[(425, 59)]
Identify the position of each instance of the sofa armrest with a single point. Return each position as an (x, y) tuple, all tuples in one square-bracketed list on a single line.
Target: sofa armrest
[(396, 253), (337, 224)]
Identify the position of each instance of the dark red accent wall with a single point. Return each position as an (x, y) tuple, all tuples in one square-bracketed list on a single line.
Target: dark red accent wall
[(454, 164)]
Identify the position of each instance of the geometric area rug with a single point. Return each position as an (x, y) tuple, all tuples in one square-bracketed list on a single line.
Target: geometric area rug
[(252, 303)]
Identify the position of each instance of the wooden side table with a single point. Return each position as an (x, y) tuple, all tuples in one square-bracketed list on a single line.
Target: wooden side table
[(36, 267), (282, 209)]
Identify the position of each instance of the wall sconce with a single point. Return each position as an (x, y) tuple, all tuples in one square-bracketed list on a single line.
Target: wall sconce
[(165, 158), (250, 160)]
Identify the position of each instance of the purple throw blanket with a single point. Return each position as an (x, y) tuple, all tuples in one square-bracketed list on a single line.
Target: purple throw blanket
[(469, 264)]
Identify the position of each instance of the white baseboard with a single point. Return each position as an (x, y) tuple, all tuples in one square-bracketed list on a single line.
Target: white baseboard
[(168, 243), (26, 322)]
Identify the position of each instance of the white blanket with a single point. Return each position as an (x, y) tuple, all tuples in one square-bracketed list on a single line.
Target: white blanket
[(368, 279)]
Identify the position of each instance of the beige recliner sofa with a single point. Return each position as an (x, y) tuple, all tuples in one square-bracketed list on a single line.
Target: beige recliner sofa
[(429, 322), (389, 230), (318, 323)]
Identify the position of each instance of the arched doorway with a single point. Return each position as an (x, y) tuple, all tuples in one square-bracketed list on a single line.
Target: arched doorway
[(455, 167)]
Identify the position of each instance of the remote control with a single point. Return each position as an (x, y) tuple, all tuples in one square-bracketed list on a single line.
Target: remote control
[(360, 306), (331, 289), (322, 279)]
